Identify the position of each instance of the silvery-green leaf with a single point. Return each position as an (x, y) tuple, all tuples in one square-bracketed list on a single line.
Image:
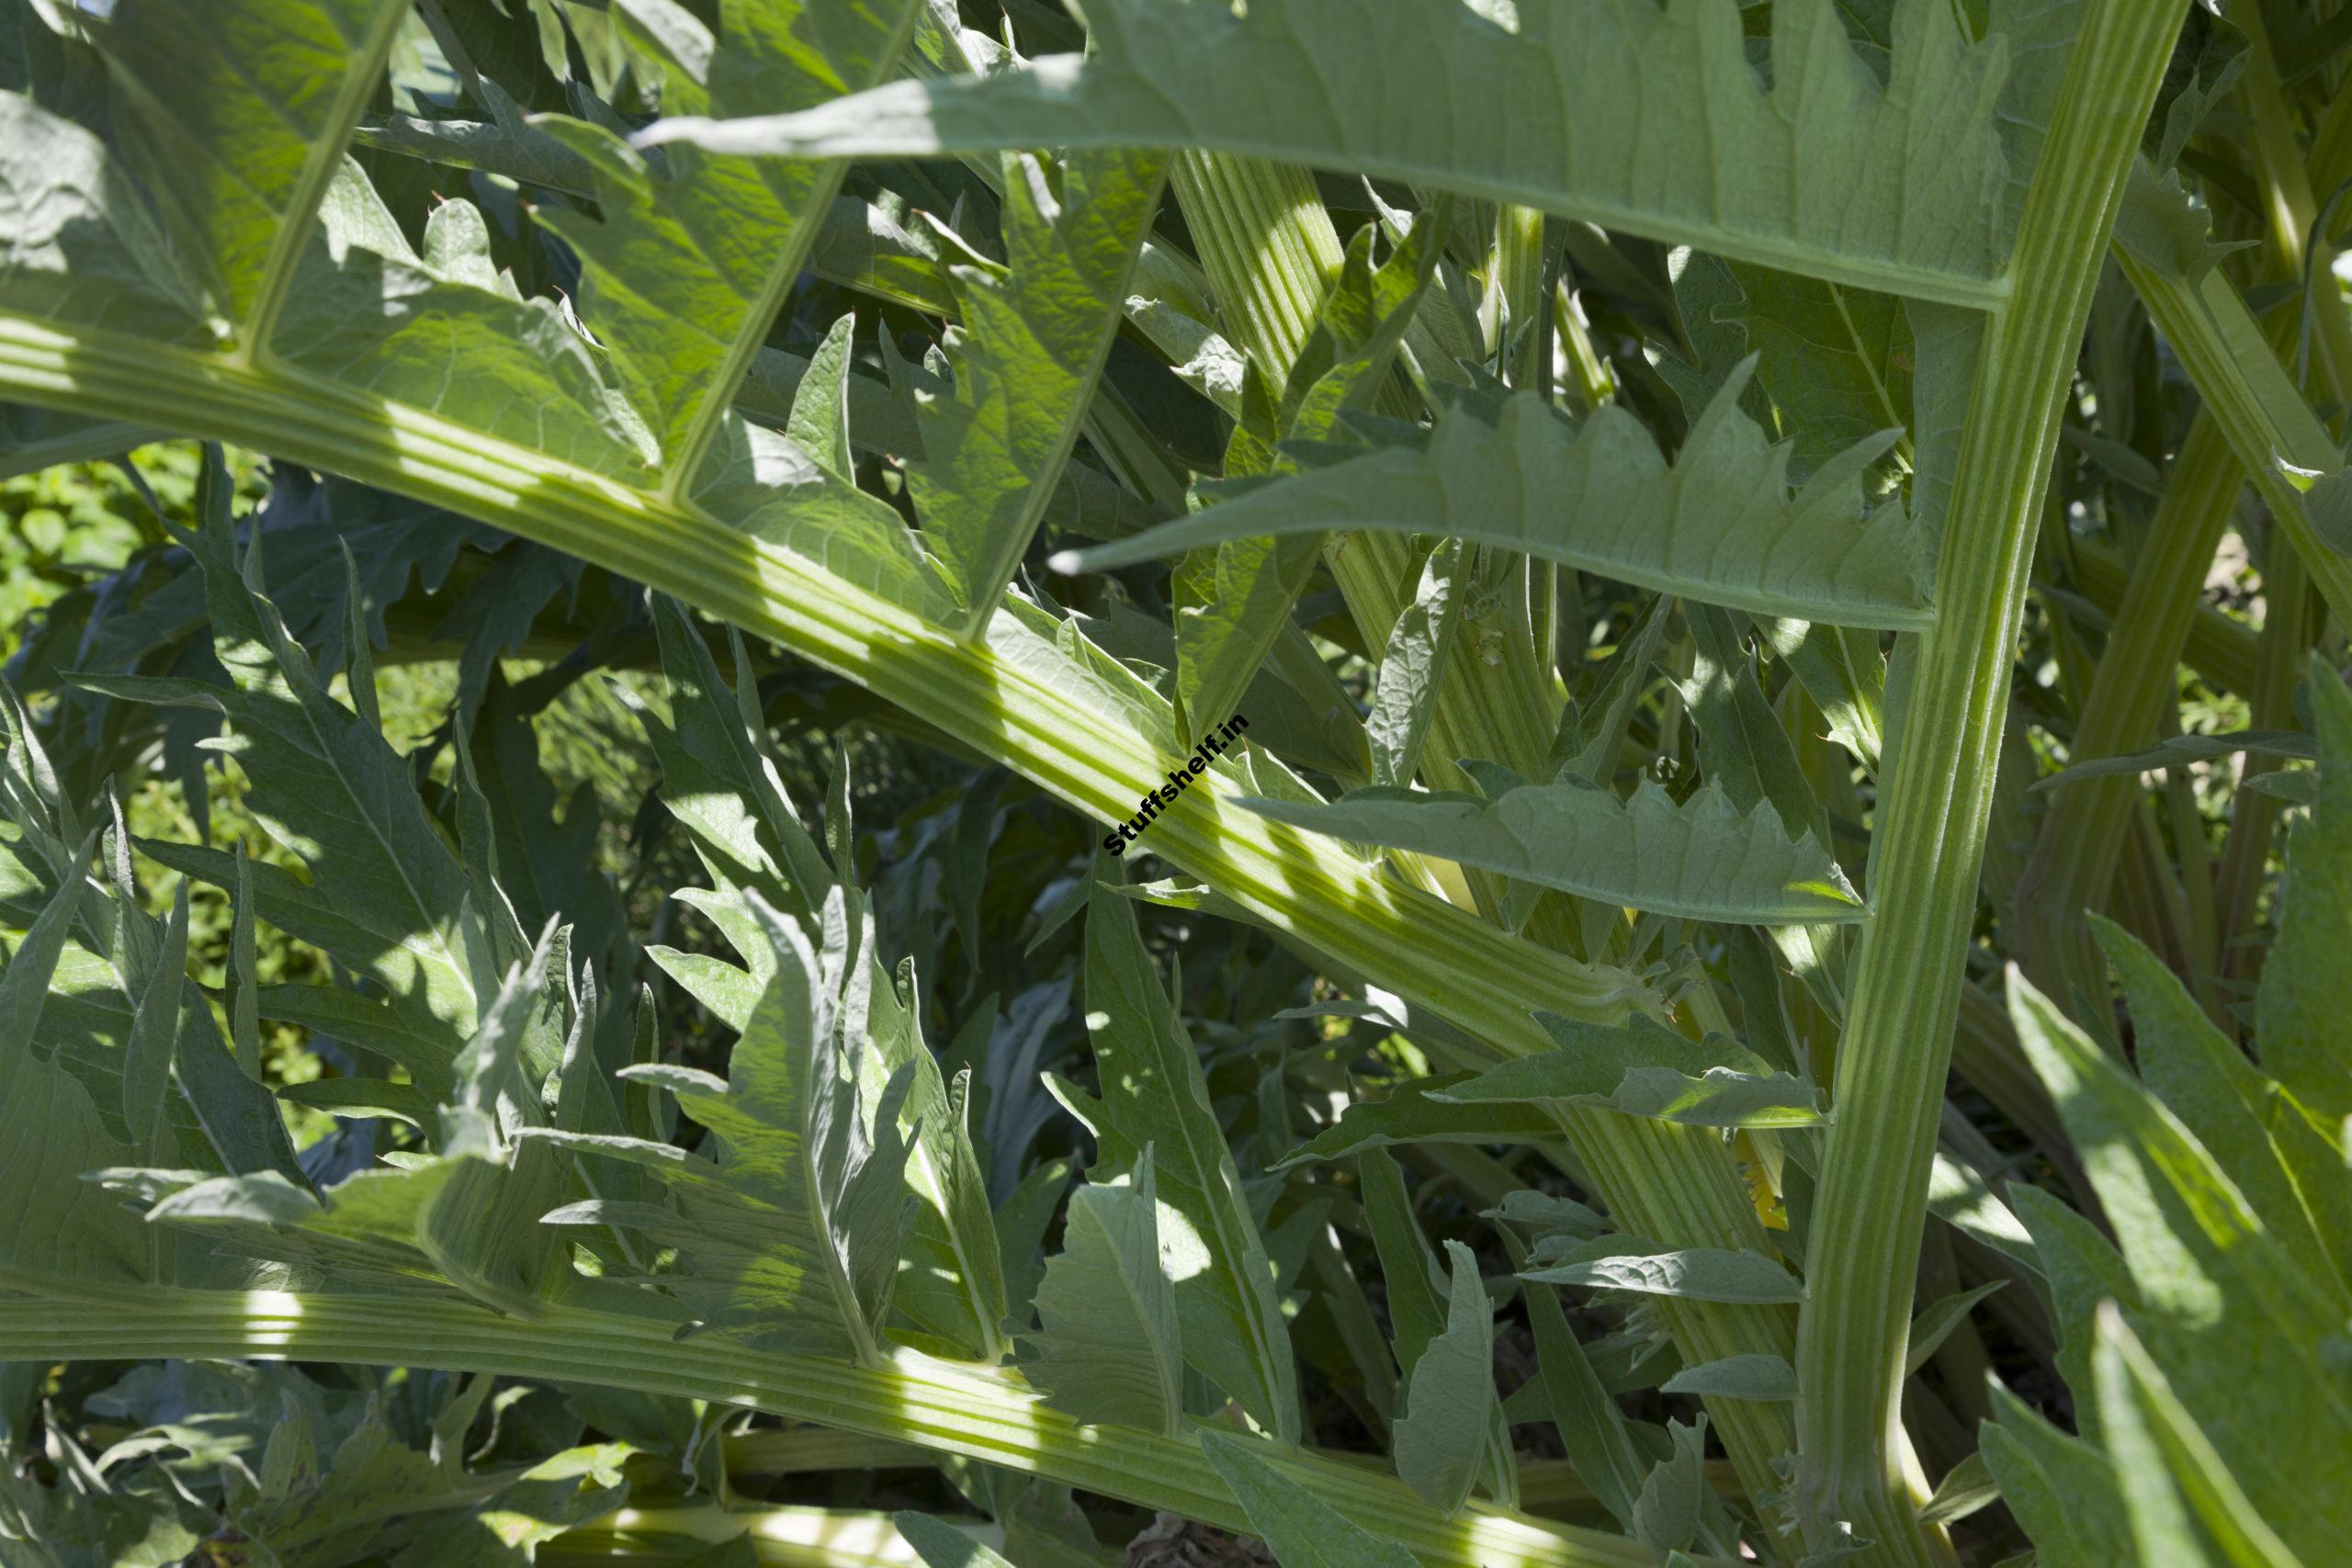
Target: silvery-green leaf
[(1643, 1069), (1636, 119), (1719, 524), (1032, 346), (1414, 1111), (1748, 1376), (1412, 670), (1701, 859), (1705, 1274), (1152, 1095), (1442, 1438), (1302, 1529), (1109, 1349)]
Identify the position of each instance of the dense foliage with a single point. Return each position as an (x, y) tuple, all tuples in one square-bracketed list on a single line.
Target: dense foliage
[(590, 584)]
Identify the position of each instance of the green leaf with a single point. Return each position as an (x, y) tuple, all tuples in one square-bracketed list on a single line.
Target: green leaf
[(1644, 1069), (791, 1236), (1718, 524), (1748, 1376), (236, 112), (1451, 1406), (1233, 600), (1412, 669), (1699, 859), (2261, 1138), (1967, 1488), (2181, 749), (1302, 1530), (952, 1280), (1153, 1096), (681, 274), (2222, 1304), (1109, 1349), (1675, 1500), (942, 1545), (2062, 1489), (1650, 121), (1415, 1110), (2169, 1473), (2299, 1017), (1646, 1268), (394, 904), (1032, 348), (1936, 1321)]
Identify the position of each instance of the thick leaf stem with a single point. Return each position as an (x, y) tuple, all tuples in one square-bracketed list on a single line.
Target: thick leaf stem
[(982, 1413), (1871, 1209)]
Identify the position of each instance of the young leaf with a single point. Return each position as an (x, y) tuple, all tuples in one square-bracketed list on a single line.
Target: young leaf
[(1705, 1274), (1412, 671), (1109, 1349), (1443, 1437), (1301, 1530), (1153, 1096), (1701, 859)]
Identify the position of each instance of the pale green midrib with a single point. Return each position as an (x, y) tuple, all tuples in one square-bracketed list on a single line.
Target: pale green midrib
[(324, 155), (1870, 1211), (981, 1413), (1436, 955)]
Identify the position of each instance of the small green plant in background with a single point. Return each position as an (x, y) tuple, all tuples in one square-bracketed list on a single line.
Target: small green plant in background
[(1759, 986)]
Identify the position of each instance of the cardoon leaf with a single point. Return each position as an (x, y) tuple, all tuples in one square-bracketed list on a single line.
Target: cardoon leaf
[(1415, 1111), (1701, 859), (1301, 1530), (1109, 1349), (942, 1545), (235, 112), (1033, 344), (1153, 1096), (683, 271), (2299, 1019), (1632, 117), (1644, 1069), (1754, 1376), (1234, 592), (1719, 522), (791, 1234), (1412, 670), (2197, 1255), (328, 788), (2169, 1474), (1705, 1274), (2257, 1134), (1451, 1408)]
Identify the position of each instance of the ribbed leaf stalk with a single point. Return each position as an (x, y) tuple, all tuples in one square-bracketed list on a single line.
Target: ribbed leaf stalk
[(986, 1413), (1868, 1215), (1675, 1184)]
